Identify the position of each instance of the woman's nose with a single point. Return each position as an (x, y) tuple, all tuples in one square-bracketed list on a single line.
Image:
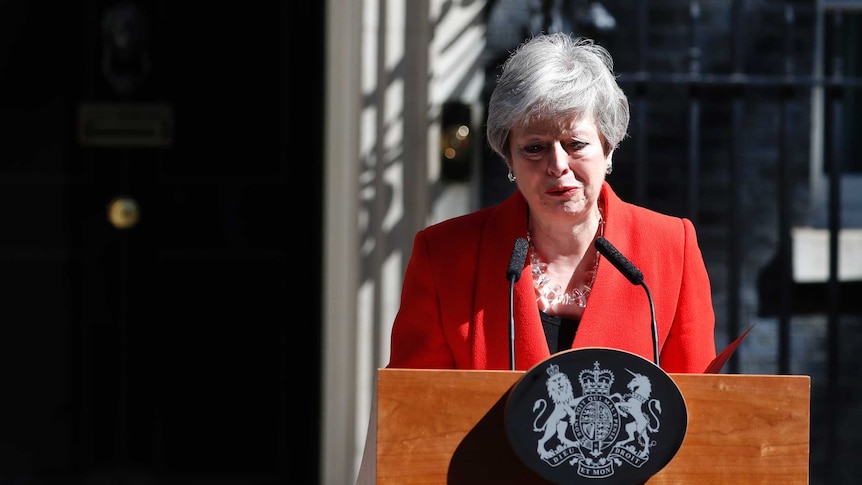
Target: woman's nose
[(559, 160)]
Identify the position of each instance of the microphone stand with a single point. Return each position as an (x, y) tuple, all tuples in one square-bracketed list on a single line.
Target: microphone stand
[(513, 274), (635, 276), (654, 326), (511, 323)]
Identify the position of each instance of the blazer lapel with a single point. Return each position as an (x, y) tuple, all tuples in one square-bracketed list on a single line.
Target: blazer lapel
[(491, 330)]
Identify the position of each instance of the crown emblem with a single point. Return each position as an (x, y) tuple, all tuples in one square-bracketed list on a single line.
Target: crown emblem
[(596, 381), (553, 370)]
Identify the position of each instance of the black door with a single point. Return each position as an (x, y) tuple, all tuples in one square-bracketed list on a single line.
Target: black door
[(152, 240)]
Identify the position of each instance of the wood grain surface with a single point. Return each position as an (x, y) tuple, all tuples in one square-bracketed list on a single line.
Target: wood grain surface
[(447, 427)]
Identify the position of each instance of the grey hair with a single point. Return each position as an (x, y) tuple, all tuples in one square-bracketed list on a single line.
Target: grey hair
[(557, 76)]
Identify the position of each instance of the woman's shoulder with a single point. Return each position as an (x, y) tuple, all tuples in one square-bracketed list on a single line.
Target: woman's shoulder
[(464, 222), (476, 221), (640, 215), (638, 229)]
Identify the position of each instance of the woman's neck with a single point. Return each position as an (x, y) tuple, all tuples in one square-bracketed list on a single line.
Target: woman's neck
[(558, 239), (563, 265)]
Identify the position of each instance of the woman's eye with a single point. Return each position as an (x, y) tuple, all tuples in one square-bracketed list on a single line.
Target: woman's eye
[(533, 149)]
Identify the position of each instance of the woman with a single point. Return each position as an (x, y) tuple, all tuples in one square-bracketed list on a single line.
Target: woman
[(556, 115)]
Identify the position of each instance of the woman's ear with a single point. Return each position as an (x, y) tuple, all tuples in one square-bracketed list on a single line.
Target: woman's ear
[(609, 161)]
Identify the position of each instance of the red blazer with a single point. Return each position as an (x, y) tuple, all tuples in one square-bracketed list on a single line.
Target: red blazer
[(454, 311)]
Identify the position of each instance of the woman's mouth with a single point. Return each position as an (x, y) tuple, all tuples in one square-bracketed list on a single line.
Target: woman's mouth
[(561, 191)]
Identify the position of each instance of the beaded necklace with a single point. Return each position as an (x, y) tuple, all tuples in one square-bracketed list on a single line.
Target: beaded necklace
[(549, 296)]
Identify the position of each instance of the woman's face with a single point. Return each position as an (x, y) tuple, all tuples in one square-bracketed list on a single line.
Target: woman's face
[(560, 166)]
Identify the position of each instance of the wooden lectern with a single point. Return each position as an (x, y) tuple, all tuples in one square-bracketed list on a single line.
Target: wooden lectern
[(446, 427)]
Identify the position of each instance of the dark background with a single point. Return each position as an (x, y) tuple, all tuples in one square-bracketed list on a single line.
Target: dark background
[(173, 347)]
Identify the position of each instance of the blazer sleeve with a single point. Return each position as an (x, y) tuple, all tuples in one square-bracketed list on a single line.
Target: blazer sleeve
[(690, 345), (417, 338)]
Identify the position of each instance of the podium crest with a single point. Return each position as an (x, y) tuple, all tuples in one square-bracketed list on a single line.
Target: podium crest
[(623, 425)]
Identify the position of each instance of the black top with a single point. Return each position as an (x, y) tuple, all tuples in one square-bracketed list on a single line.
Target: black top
[(560, 332)]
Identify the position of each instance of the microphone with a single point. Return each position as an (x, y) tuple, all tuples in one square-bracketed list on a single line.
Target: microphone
[(635, 276), (624, 266), (516, 262), (513, 274)]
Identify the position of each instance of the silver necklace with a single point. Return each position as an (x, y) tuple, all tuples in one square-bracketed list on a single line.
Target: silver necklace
[(548, 296)]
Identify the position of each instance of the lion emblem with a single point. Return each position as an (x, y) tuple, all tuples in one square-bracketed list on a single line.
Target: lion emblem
[(561, 417)]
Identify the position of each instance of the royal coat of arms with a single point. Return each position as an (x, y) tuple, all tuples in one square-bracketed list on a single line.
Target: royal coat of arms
[(609, 426)]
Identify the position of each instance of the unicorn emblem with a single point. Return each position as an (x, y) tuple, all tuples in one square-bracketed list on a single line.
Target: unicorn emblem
[(633, 405)]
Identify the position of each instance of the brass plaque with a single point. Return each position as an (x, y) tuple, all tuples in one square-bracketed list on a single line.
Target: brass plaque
[(125, 124)]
